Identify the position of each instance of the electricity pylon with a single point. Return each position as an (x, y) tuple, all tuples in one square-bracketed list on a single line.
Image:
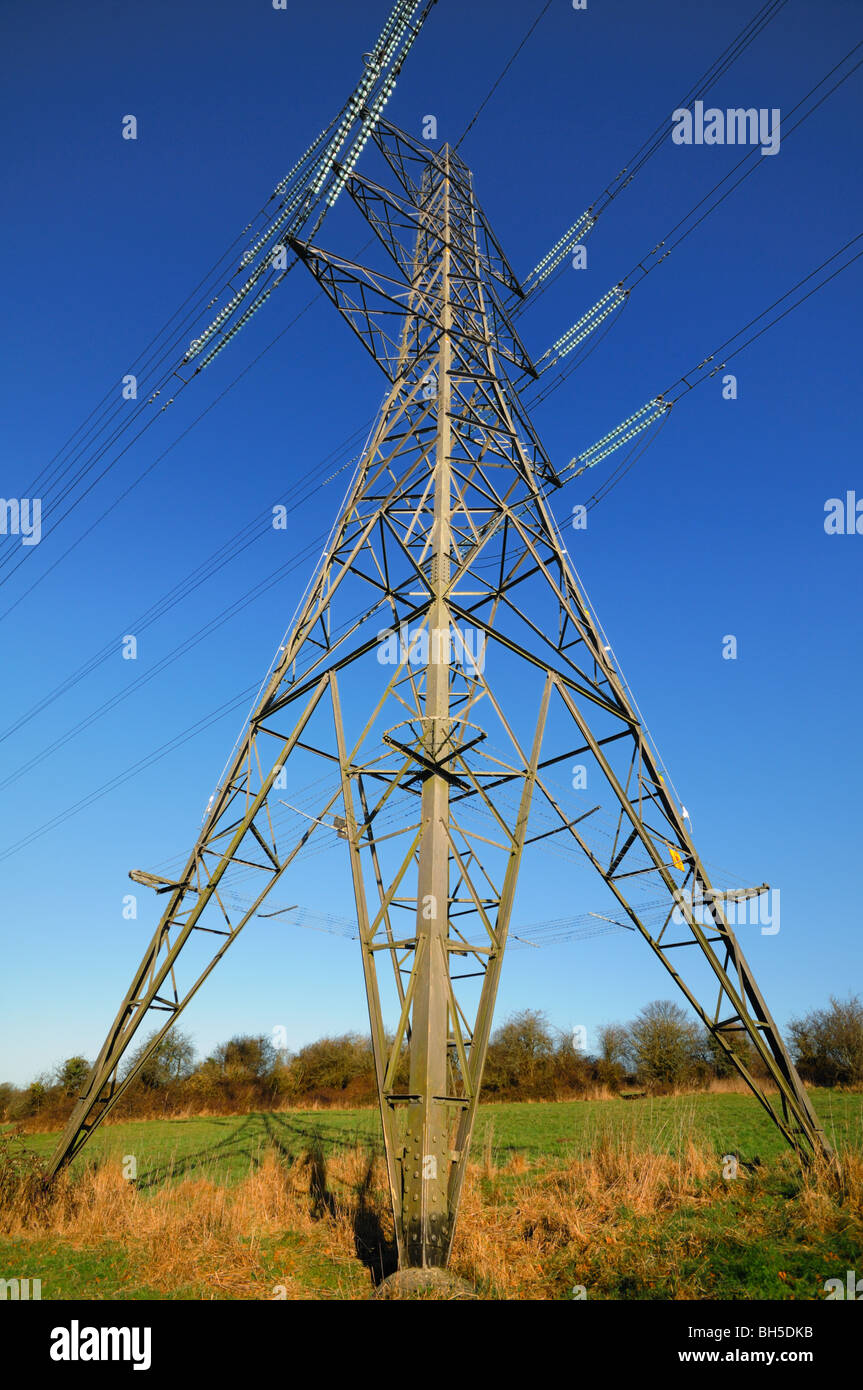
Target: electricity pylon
[(443, 665)]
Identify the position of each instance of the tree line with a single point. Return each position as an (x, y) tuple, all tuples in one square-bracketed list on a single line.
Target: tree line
[(660, 1051)]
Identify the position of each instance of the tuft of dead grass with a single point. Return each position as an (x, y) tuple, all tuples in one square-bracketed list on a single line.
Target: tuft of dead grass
[(568, 1212)]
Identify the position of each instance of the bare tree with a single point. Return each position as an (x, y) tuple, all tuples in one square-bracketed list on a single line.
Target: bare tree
[(172, 1060), (828, 1043), (664, 1044)]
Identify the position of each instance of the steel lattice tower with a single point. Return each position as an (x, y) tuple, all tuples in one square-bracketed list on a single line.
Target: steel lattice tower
[(445, 661)]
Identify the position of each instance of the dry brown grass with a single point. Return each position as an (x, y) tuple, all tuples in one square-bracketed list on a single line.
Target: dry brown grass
[(570, 1213), (311, 1228), (201, 1231)]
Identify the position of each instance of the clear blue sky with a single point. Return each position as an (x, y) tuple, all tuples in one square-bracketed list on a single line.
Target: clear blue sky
[(719, 530)]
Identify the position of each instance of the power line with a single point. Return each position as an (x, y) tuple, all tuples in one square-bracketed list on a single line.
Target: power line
[(685, 384), (704, 369), (199, 299), (182, 590), (622, 290), (548, 270), (753, 156), (161, 666), (162, 751), (149, 469), (717, 69), (159, 752), (616, 299), (503, 74), (304, 192)]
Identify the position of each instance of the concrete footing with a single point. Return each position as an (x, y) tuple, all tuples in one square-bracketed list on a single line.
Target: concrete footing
[(425, 1283)]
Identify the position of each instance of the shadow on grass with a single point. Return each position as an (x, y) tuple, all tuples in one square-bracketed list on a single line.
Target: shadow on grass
[(373, 1247), (237, 1144), (289, 1135), (296, 1139)]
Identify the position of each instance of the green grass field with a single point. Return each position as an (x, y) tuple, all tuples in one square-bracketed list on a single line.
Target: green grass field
[(606, 1194), (225, 1146)]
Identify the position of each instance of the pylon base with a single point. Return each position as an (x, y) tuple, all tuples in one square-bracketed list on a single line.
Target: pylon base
[(430, 1282)]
